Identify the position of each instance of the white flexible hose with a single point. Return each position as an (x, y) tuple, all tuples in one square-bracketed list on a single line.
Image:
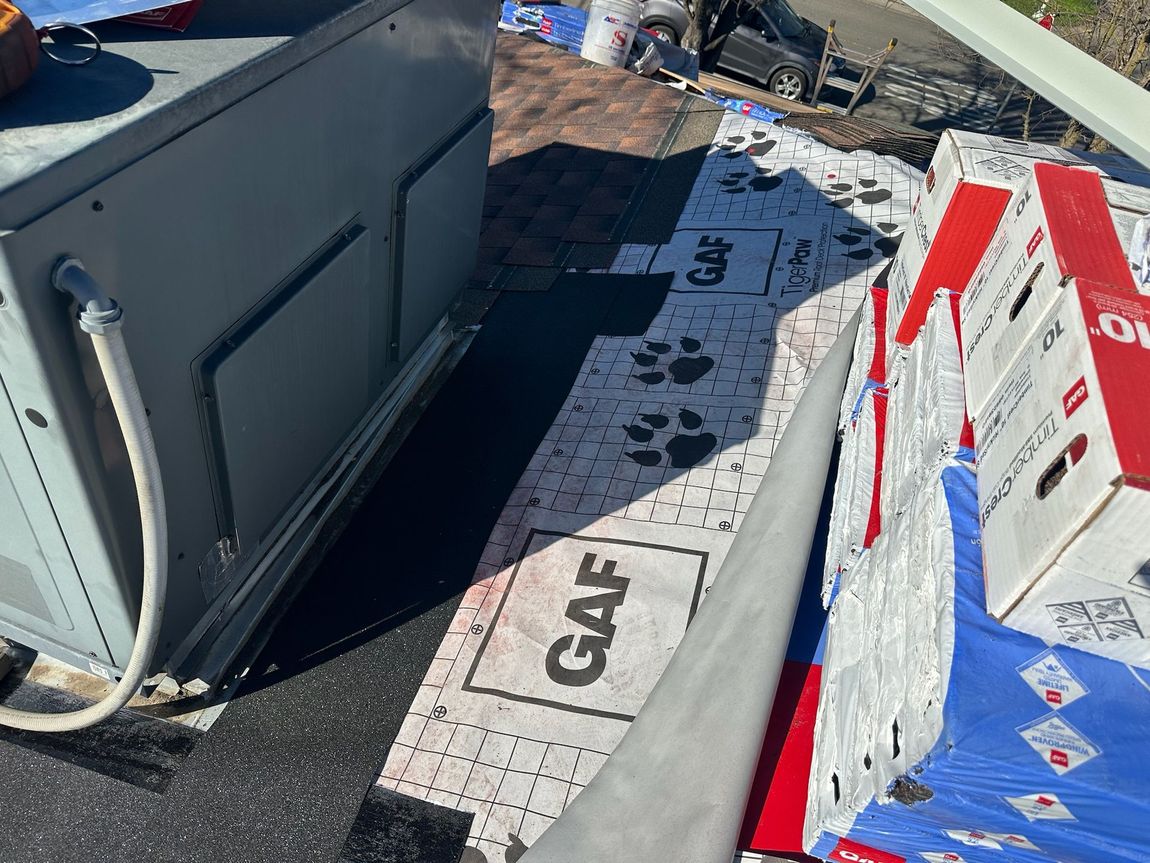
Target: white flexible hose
[(112, 355)]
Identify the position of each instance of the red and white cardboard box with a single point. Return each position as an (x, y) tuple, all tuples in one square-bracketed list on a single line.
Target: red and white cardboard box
[(1064, 482), (965, 191), (1129, 205), (1058, 227)]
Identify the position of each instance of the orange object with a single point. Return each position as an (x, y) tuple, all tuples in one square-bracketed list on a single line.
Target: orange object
[(19, 48)]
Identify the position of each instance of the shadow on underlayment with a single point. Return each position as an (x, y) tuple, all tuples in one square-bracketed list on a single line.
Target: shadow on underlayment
[(614, 395)]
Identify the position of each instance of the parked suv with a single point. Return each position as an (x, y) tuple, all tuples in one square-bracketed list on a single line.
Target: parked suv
[(775, 45)]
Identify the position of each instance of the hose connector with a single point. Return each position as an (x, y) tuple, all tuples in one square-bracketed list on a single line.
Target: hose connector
[(98, 313)]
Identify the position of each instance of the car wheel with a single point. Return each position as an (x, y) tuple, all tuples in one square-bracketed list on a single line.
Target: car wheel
[(664, 31), (789, 83)]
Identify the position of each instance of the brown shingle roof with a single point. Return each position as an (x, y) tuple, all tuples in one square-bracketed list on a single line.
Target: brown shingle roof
[(572, 142)]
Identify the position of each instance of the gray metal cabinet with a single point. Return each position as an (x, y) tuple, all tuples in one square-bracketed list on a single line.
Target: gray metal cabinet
[(267, 233)]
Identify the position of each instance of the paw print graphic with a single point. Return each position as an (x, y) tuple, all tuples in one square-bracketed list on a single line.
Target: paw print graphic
[(758, 180), (511, 853), (755, 144), (738, 182), (683, 370), (856, 235), (682, 449), (845, 194)]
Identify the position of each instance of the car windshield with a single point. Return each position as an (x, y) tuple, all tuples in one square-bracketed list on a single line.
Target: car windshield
[(785, 19)]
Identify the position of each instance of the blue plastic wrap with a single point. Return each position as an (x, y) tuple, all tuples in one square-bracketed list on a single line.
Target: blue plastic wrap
[(1042, 754), (557, 24), (868, 385), (748, 109)]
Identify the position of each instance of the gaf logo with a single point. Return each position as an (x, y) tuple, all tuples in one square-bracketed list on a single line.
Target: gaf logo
[(930, 177), (1053, 696), (1121, 330), (1043, 800), (856, 852), (1035, 242), (598, 646), (1059, 758), (1074, 397), (593, 613), (713, 254)]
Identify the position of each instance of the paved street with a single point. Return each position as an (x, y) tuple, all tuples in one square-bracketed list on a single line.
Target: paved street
[(931, 80), (932, 96)]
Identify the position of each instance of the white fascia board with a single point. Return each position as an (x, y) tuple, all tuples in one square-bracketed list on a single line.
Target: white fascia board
[(1100, 98)]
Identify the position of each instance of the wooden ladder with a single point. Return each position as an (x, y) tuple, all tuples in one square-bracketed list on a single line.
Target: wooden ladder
[(870, 64)]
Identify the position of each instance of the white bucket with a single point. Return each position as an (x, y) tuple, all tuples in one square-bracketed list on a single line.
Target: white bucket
[(611, 26)]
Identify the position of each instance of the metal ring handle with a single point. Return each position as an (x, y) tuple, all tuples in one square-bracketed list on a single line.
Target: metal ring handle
[(64, 25)]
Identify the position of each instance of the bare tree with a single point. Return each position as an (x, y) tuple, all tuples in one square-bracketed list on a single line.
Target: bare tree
[(710, 22), (1117, 34), (699, 15)]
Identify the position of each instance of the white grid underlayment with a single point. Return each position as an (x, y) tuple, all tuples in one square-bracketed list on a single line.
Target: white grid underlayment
[(640, 484)]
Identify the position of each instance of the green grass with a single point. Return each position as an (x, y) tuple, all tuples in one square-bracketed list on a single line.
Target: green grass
[(1070, 9)]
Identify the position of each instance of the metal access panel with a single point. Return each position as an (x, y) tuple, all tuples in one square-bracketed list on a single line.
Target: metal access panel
[(437, 240), (243, 213), (32, 547), (280, 394)]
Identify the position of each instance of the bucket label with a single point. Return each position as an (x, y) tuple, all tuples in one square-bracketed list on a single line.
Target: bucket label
[(1041, 807), (619, 22), (1052, 680), (1061, 745)]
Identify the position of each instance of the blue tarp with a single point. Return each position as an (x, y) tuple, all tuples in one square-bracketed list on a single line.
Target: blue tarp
[(558, 24), (1043, 751)]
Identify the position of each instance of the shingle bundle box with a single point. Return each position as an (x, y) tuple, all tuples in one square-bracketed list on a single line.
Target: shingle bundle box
[(966, 189), (1057, 355), (555, 23), (858, 491), (1064, 484), (946, 733), (862, 426), (868, 363), (1058, 227), (928, 421)]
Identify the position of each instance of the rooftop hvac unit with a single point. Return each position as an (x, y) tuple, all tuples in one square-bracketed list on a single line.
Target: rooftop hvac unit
[(285, 221)]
